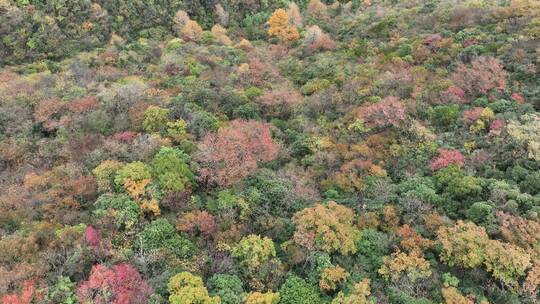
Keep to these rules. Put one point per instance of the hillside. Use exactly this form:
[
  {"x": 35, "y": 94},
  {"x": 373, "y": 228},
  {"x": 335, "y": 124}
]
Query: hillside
[{"x": 267, "y": 151}]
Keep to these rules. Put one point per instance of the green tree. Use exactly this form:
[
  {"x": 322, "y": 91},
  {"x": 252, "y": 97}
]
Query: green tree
[
  {"x": 161, "y": 235},
  {"x": 228, "y": 288},
  {"x": 297, "y": 291},
  {"x": 120, "y": 206},
  {"x": 372, "y": 246},
  {"x": 454, "y": 182},
  {"x": 171, "y": 168}
]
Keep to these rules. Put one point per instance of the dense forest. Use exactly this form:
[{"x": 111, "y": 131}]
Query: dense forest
[{"x": 269, "y": 151}]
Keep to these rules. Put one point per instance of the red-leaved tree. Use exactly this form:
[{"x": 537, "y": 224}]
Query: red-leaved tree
[
  {"x": 232, "y": 153},
  {"x": 121, "y": 284},
  {"x": 390, "y": 111},
  {"x": 483, "y": 75},
  {"x": 197, "y": 222},
  {"x": 25, "y": 296},
  {"x": 445, "y": 158},
  {"x": 92, "y": 236}
]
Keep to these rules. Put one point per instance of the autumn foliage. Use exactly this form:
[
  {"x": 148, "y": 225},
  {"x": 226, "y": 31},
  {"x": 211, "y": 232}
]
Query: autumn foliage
[
  {"x": 120, "y": 284},
  {"x": 233, "y": 152},
  {"x": 269, "y": 152},
  {"x": 390, "y": 111},
  {"x": 483, "y": 75},
  {"x": 327, "y": 227},
  {"x": 281, "y": 28},
  {"x": 445, "y": 158}
]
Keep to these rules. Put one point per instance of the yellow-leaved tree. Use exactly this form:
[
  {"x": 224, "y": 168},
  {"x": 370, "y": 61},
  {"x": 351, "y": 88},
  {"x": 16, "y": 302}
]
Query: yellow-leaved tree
[{"x": 281, "y": 28}]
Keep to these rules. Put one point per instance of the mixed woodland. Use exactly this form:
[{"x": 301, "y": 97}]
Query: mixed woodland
[{"x": 269, "y": 151}]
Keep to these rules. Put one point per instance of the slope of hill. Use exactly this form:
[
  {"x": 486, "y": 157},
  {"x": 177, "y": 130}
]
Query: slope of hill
[{"x": 268, "y": 152}]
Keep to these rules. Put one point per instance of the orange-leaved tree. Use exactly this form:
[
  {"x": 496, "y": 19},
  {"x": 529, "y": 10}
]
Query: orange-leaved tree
[{"x": 281, "y": 28}]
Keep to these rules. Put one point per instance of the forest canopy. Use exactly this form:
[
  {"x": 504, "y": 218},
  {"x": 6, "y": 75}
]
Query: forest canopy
[{"x": 269, "y": 152}]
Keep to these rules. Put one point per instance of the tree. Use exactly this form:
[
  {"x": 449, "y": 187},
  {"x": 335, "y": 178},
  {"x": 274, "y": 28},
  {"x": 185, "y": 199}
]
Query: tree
[
  {"x": 227, "y": 287},
  {"x": 135, "y": 172},
  {"x": 279, "y": 101},
  {"x": 532, "y": 281},
  {"x": 295, "y": 17},
  {"x": 121, "y": 284},
  {"x": 135, "y": 179},
  {"x": 445, "y": 158},
  {"x": 155, "y": 119},
  {"x": 483, "y": 75},
  {"x": 411, "y": 241},
  {"x": 161, "y": 235},
  {"x": 525, "y": 132},
  {"x": 92, "y": 236},
  {"x": 412, "y": 265},
  {"x": 186, "y": 288},
  {"x": 453, "y": 181},
  {"x": 506, "y": 262},
  {"x": 316, "y": 40},
  {"x": 197, "y": 222},
  {"x": 358, "y": 294},
  {"x": 372, "y": 247},
  {"x": 232, "y": 154},
  {"x": 281, "y": 28},
  {"x": 317, "y": 9},
  {"x": 519, "y": 231},
  {"x": 171, "y": 168},
  {"x": 220, "y": 33},
  {"x": 332, "y": 277},
  {"x": 253, "y": 251},
  {"x": 27, "y": 295},
  {"x": 64, "y": 291},
  {"x": 390, "y": 111},
  {"x": 481, "y": 213},
  {"x": 297, "y": 291},
  {"x": 464, "y": 244},
  {"x": 191, "y": 31},
  {"x": 452, "y": 296},
  {"x": 120, "y": 206},
  {"x": 262, "y": 298},
  {"x": 327, "y": 227},
  {"x": 104, "y": 174}
]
